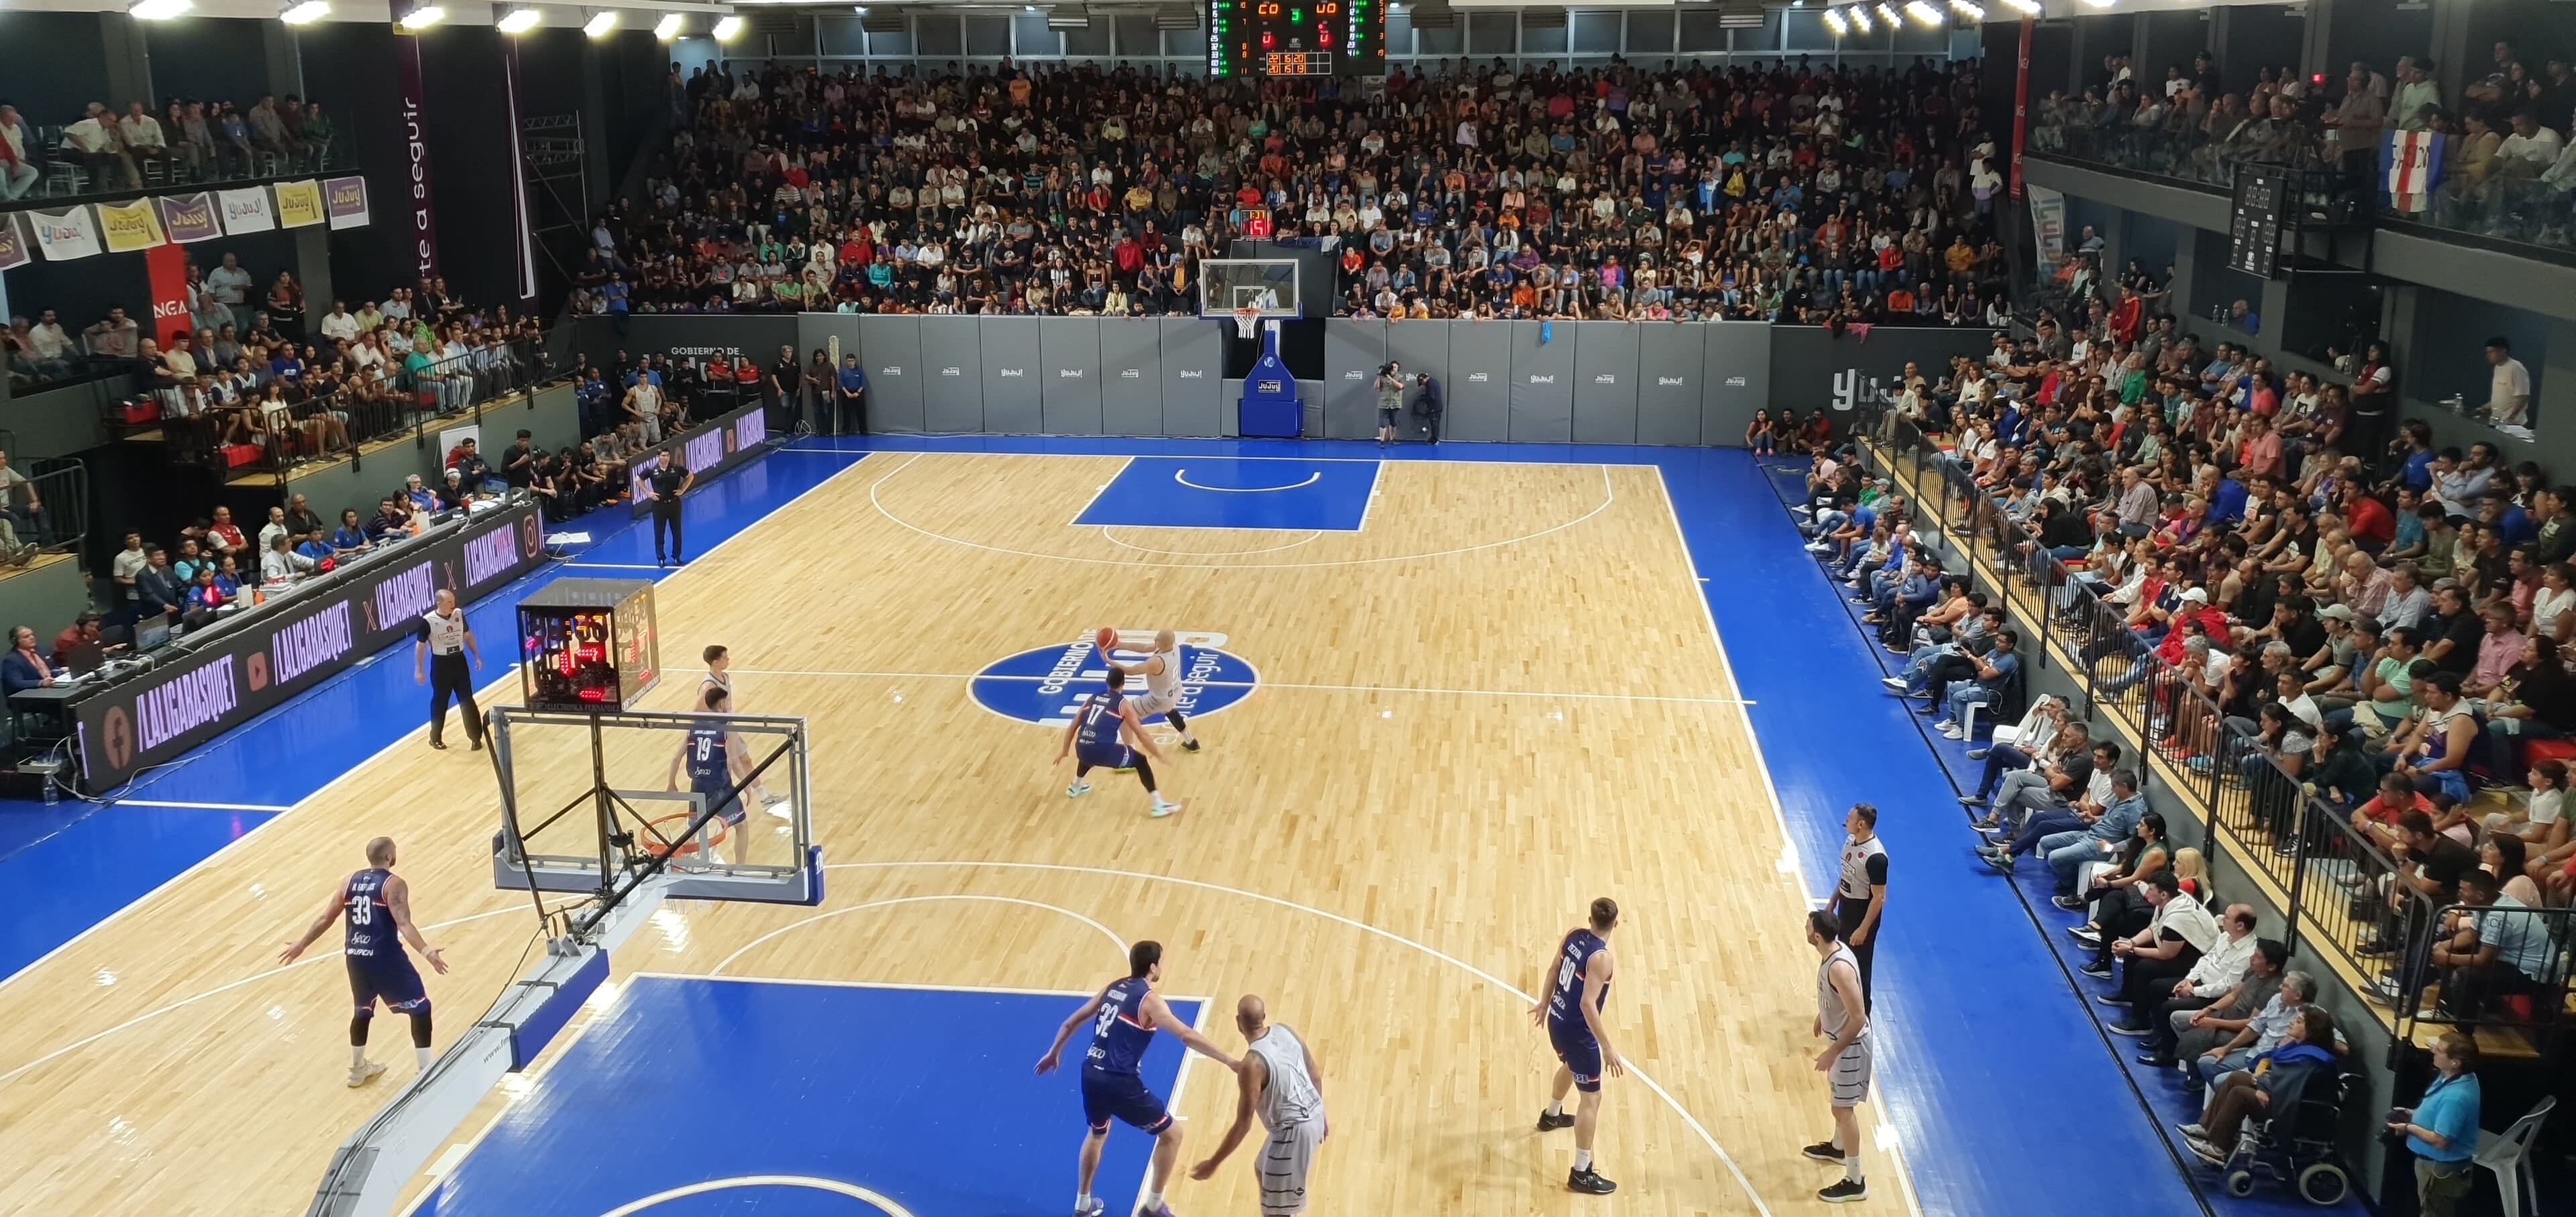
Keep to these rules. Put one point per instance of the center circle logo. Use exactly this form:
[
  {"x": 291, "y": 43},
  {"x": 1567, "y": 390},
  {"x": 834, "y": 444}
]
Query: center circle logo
[{"x": 1045, "y": 686}]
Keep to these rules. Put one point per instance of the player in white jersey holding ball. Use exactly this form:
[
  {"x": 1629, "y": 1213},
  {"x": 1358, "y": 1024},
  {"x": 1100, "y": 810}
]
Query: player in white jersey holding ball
[
  {"x": 1162, "y": 673},
  {"x": 1279, "y": 1080}
]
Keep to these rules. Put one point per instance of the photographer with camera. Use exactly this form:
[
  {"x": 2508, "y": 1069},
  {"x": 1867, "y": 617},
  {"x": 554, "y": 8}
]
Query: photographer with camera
[{"x": 1390, "y": 400}]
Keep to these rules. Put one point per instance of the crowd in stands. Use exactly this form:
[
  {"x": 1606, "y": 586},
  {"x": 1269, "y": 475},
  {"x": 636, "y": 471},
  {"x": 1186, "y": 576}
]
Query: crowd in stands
[
  {"x": 2509, "y": 165},
  {"x": 185, "y": 141},
  {"x": 2300, "y": 599},
  {"x": 1795, "y": 192},
  {"x": 267, "y": 368}
]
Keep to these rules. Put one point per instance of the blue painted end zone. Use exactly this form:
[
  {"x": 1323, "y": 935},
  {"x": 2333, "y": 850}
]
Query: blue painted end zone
[
  {"x": 68, "y": 867},
  {"x": 1228, "y": 492},
  {"x": 1980, "y": 1039},
  {"x": 924, "y": 1096}
]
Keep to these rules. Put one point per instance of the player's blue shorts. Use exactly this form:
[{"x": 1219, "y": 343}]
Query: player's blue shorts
[
  {"x": 392, "y": 981},
  {"x": 722, "y": 799},
  {"x": 1112, "y": 756},
  {"x": 1121, "y": 1096},
  {"x": 1580, "y": 1052}
]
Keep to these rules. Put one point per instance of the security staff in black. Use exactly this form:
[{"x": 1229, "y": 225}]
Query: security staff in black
[
  {"x": 446, "y": 657},
  {"x": 663, "y": 488}
]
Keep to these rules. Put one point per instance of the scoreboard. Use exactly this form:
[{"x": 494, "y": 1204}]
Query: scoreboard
[{"x": 1296, "y": 38}]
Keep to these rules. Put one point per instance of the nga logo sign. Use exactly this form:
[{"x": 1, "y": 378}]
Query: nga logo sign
[{"x": 1047, "y": 685}]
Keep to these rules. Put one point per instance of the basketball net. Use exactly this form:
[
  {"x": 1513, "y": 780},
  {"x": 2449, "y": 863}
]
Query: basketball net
[{"x": 1247, "y": 323}]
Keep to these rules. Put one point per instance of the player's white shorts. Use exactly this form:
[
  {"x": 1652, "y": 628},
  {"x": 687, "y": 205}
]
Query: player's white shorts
[
  {"x": 1851, "y": 1074},
  {"x": 1150, "y": 705},
  {"x": 1285, "y": 1159}
]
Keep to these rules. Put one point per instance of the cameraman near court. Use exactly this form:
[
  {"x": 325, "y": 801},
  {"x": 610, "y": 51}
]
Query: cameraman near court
[
  {"x": 1390, "y": 400},
  {"x": 1427, "y": 405}
]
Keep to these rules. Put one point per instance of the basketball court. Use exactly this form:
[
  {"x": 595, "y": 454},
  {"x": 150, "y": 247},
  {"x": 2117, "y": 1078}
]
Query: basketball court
[{"x": 1446, "y": 703}]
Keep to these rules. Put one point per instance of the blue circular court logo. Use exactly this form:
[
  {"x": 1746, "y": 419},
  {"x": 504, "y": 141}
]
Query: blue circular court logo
[{"x": 1047, "y": 685}]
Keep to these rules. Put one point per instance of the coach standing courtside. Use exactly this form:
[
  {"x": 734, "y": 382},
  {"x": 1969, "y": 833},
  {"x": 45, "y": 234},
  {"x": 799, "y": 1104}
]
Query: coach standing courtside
[
  {"x": 663, "y": 488},
  {"x": 1861, "y": 893},
  {"x": 451, "y": 654}
]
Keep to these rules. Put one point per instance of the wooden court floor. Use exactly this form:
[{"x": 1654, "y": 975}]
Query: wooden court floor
[{"x": 1502, "y": 698}]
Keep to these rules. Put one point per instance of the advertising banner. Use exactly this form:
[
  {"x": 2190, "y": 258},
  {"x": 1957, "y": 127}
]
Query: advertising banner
[
  {"x": 708, "y": 449},
  {"x": 64, "y": 235},
  {"x": 415, "y": 136},
  {"x": 191, "y": 698},
  {"x": 165, "y": 272},
  {"x": 127, "y": 227},
  {"x": 15, "y": 247},
  {"x": 247, "y": 210},
  {"x": 2048, "y": 224},
  {"x": 299, "y": 204},
  {"x": 190, "y": 217},
  {"x": 347, "y": 199}
]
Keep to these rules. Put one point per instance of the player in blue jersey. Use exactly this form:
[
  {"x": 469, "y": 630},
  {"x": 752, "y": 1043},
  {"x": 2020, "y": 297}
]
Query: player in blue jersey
[
  {"x": 1123, "y": 1019},
  {"x": 717, "y": 763},
  {"x": 375, "y": 906},
  {"x": 1106, "y": 734},
  {"x": 1576, "y": 980}
]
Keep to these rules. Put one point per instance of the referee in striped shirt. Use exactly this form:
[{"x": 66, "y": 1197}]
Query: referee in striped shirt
[
  {"x": 449, "y": 653},
  {"x": 1860, "y": 893}
]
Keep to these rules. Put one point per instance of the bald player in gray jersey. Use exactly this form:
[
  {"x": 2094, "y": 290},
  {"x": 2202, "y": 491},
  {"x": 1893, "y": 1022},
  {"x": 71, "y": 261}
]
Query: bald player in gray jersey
[
  {"x": 1162, "y": 673},
  {"x": 1278, "y": 1080}
]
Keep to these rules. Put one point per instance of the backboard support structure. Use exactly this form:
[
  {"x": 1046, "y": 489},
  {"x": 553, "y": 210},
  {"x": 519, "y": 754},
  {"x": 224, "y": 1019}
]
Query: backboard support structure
[
  {"x": 597, "y": 804},
  {"x": 1269, "y": 285}
]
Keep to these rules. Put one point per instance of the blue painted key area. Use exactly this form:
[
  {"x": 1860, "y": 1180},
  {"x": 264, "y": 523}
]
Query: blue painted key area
[
  {"x": 1991, "y": 1067},
  {"x": 1221, "y": 492},
  {"x": 924, "y": 1097}
]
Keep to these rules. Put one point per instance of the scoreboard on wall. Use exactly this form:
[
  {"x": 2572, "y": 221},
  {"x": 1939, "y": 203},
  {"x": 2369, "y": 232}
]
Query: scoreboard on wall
[{"x": 1296, "y": 38}]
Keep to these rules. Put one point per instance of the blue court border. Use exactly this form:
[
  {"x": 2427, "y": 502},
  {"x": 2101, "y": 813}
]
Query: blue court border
[{"x": 1961, "y": 1089}]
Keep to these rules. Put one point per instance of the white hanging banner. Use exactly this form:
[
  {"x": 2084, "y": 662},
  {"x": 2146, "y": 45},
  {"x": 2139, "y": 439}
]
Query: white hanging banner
[
  {"x": 64, "y": 235},
  {"x": 247, "y": 210}
]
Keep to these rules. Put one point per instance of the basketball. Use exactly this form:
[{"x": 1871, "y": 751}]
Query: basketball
[{"x": 1106, "y": 640}]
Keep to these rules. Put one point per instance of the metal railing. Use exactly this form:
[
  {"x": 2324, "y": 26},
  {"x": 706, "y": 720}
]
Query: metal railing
[
  {"x": 51, "y": 509},
  {"x": 2338, "y": 893},
  {"x": 64, "y": 175},
  {"x": 2522, "y": 988}
]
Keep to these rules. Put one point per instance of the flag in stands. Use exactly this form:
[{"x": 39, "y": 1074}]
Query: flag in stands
[{"x": 2410, "y": 166}]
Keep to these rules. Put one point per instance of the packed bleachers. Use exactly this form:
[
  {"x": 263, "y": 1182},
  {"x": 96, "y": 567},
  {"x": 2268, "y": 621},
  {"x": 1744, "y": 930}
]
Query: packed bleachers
[{"x": 1790, "y": 193}]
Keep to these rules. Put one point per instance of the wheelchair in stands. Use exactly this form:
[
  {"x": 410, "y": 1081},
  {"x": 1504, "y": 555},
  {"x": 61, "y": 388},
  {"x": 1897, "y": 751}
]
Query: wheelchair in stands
[{"x": 2296, "y": 1147}]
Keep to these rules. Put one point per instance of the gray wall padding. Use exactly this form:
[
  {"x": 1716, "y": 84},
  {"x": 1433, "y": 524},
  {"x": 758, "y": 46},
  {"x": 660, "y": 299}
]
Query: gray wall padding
[
  {"x": 1605, "y": 382},
  {"x": 1542, "y": 386},
  {"x": 1012, "y": 366},
  {"x": 1480, "y": 389},
  {"x": 952, "y": 374},
  {"x": 1069, "y": 375},
  {"x": 1670, "y": 379},
  {"x": 1131, "y": 376},
  {"x": 1194, "y": 398},
  {"x": 1353, "y": 352}
]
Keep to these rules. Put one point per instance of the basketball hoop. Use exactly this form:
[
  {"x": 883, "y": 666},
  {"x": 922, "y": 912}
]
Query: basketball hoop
[
  {"x": 654, "y": 843},
  {"x": 1247, "y": 323}
]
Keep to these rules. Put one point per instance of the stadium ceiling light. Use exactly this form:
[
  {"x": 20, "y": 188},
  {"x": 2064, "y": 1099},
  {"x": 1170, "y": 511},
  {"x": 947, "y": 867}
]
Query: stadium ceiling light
[
  {"x": 1968, "y": 9},
  {"x": 2025, "y": 7},
  {"x": 305, "y": 13},
  {"x": 1860, "y": 17},
  {"x": 1923, "y": 14},
  {"x": 600, "y": 22},
  {"x": 1887, "y": 13},
  {"x": 669, "y": 26},
  {"x": 519, "y": 21},
  {"x": 728, "y": 27},
  {"x": 423, "y": 17},
  {"x": 158, "y": 10},
  {"x": 1834, "y": 21}
]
